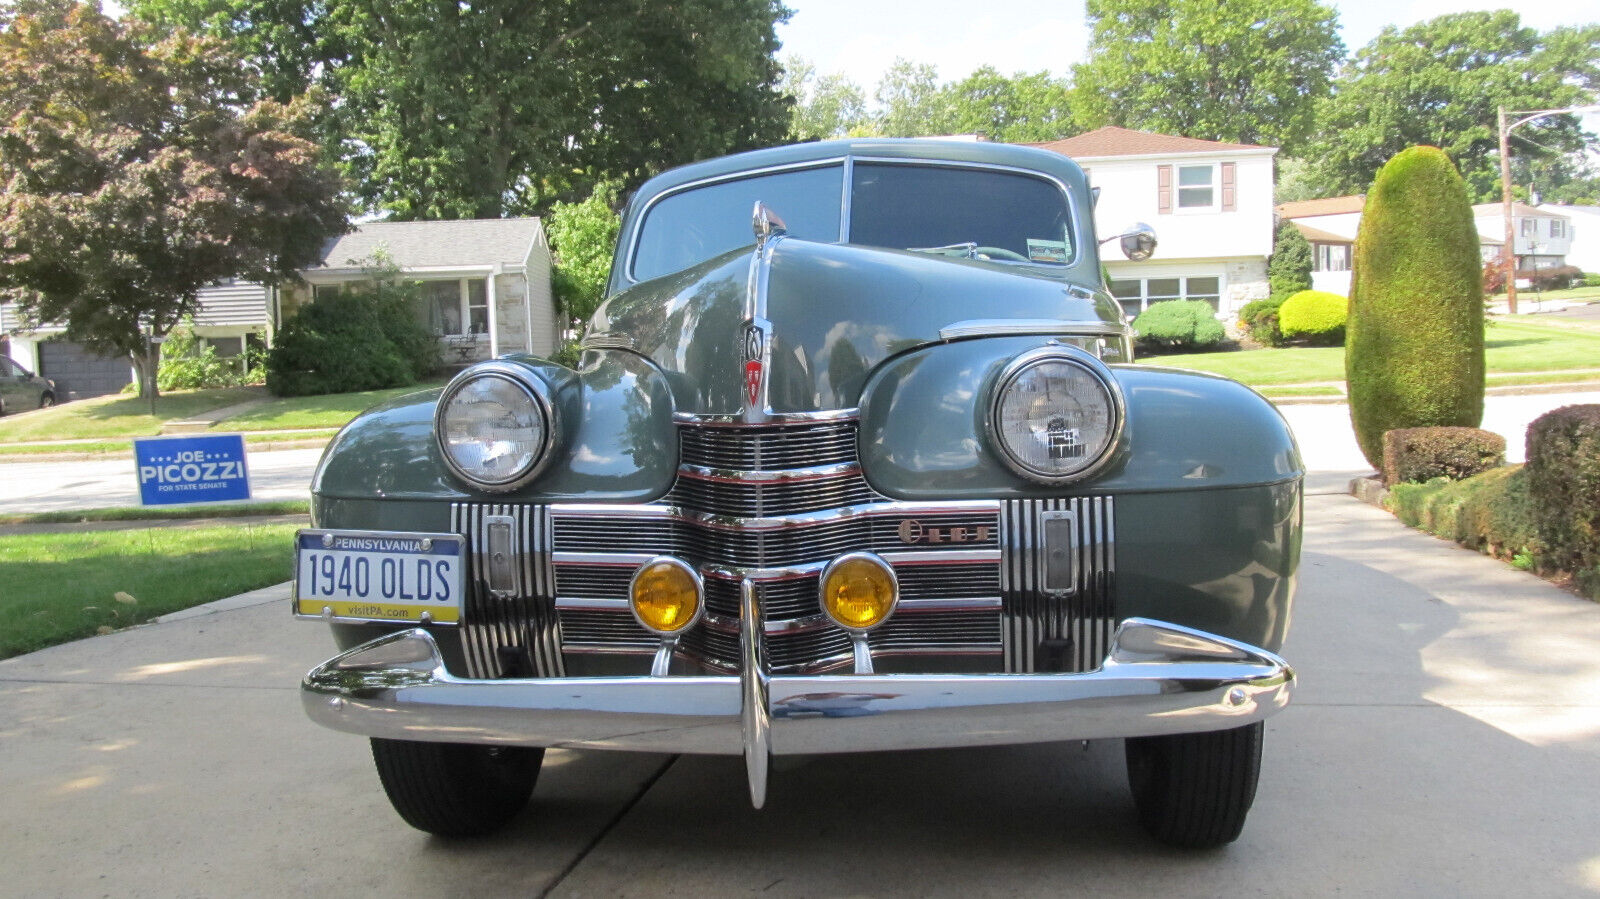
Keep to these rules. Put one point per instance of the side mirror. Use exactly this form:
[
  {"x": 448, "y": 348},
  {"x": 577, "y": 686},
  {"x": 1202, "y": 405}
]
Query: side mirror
[{"x": 1139, "y": 242}]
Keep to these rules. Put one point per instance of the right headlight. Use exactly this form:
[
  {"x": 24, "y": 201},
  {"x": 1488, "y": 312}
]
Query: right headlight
[
  {"x": 1056, "y": 416},
  {"x": 493, "y": 425}
]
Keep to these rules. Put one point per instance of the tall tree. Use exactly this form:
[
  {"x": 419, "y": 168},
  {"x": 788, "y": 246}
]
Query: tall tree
[
  {"x": 1020, "y": 109},
  {"x": 824, "y": 107},
  {"x": 910, "y": 102},
  {"x": 135, "y": 173},
  {"x": 1439, "y": 83},
  {"x": 1246, "y": 71},
  {"x": 451, "y": 110}
]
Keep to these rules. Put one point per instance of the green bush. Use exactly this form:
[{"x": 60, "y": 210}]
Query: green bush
[
  {"x": 1259, "y": 320},
  {"x": 1564, "y": 482},
  {"x": 582, "y": 236},
  {"x": 188, "y": 364},
  {"x": 1315, "y": 315},
  {"x": 364, "y": 338},
  {"x": 1491, "y": 512},
  {"x": 1422, "y": 454},
  {"x": 1591, "y": 279},
  {"x": 1414, "y": 339},
  {"x": 1184, "y": 324},
  {"x": 1289, "y": 269}
]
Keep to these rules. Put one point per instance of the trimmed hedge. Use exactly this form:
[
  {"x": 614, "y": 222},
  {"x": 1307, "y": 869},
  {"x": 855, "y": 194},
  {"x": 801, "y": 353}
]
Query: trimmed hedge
[
  {"x": 1316, "y": 315},
  {"x": 1491, "y": 512},
  {"x": 1289, "y": 268},
  {"x": 352, "y": 340},
  {"x": 1564, "y": 484},
  {"x": 1414, "y": 342},
  {"x": 1422, "y": 454},
  {"x": 1179, "y": 324},
  {"x": 1259, "y": 319}
]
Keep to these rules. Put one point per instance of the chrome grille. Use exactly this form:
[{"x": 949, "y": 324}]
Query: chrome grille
[
  {"x": 1084, "y": 616},
  {"x": 969, "y": 572}
]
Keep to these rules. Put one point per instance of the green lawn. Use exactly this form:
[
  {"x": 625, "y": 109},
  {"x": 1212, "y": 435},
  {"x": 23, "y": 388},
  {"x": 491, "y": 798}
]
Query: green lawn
[
  {"x": 1510, "y": 346},
  {"x": 61, "y": 587},
  {"x": 1571, "y": 293},
  {"x": 328, "y": 411},
  {"x": 117, "y": 415}
]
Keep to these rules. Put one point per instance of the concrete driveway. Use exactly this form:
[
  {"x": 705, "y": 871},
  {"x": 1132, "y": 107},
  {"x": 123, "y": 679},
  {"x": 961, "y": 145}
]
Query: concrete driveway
[{"x": 1444, "y": 743}]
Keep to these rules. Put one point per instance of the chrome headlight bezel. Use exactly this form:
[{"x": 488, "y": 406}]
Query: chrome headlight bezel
[
  {"x": 538, "y": 397},
  {"x": 1100, "y": 374}
]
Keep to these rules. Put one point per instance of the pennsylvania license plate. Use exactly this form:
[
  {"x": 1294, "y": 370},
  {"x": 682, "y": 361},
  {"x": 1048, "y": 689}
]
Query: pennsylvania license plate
[{"x": 377, "y": 576}]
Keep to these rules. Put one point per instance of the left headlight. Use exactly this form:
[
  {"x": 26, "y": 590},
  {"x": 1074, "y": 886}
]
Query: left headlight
[
  {"x": 1056, "y": 416},
  {"x": 494, "y": 427}
]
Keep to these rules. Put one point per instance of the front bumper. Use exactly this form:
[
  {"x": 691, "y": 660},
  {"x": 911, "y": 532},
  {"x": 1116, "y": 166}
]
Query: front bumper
[{"x": 1159, "y": 678}]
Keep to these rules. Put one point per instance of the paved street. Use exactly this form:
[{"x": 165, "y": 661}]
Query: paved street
[
  {"x": 1443, "y": 743},
  {"x": 1323, "y": 430}
]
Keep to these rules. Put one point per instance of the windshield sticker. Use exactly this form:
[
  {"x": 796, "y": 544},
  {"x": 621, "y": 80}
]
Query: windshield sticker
[{"x": 1047, "y": 251}]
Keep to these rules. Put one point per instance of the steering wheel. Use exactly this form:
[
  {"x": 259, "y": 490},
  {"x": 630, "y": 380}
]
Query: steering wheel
[{"x": 998, "y": 253}]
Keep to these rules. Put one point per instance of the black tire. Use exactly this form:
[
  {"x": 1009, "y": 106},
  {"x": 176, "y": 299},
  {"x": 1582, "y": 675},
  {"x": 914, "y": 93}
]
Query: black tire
[
  {"x": 46, "y": 400},
  {"x": 454, "y": 789},
  {"x": 1194, "y": 790}
]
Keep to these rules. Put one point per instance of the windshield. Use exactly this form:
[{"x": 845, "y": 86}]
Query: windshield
[
  {"x": 692, "y": 226},
  {"x": 948, "y": 210},
  {"x": 960, "y": 212}
]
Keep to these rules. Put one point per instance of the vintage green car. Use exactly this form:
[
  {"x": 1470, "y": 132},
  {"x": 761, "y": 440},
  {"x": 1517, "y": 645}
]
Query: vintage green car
[{"x": 880, "y": 476}]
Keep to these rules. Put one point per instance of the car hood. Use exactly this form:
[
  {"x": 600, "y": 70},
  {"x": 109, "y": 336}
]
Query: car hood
[{"x": 835, "y": 313}]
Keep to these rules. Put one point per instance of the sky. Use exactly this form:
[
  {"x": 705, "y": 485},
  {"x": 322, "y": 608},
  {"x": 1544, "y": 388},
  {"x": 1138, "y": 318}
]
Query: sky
[{"x": 861, "y": 38}]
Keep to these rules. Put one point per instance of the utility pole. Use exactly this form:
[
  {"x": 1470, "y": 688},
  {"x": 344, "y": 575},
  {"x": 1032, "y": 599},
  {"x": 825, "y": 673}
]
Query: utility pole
[{"x": 1510, "y": 253}]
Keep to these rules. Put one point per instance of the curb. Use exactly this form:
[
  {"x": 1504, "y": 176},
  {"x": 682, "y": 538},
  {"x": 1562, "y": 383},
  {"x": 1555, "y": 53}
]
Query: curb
[
  {"x": 261, "y": 597},
  {"x": 1369, "y": 490}
]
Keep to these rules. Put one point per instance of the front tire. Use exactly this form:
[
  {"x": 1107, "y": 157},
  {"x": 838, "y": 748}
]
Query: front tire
[
  {"x": 456, "y": 789},
  {"x": 46, "y": 400},
  {"x": 1194, "y": 790}
]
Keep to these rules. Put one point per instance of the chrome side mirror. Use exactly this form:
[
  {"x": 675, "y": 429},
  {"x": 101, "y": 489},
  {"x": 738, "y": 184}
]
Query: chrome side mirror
[{"x": 1139, "y": 242}]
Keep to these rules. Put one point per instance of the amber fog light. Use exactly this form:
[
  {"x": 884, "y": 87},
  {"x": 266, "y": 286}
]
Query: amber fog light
[
  {"x": 859, "y": 591},
  {"x": 666, "y": 595}
]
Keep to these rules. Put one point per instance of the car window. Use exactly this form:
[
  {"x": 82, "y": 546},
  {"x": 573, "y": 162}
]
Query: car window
[
  {"x": 927, "y": 207},
  {"x": 8, "y": 369},
  {"x": 694, "y": 225}
]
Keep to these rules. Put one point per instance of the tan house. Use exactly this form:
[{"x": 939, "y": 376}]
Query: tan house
[{"x": 485, "y": 282}]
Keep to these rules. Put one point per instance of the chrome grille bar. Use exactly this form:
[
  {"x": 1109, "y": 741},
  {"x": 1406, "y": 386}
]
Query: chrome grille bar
[{"x": 511, "y": 630}]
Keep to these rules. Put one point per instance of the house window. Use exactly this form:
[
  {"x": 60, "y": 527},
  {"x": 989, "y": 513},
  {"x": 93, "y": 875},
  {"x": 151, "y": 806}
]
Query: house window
[
  {"x": 1331, "y": 257},
  {"x": 1557, "y": 228},
  {"x": 1136, "y": 294},
  {"x": 1197, "y": 187},
  {"x": 456, "y": 307},
  {"x": 1530, "y": 227}
]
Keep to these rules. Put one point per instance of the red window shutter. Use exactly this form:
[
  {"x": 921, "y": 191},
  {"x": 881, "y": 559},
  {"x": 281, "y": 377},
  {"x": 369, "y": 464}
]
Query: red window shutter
[
  {"x": 1163, "y": 189},
  {"x": 1227, "y": 186}
]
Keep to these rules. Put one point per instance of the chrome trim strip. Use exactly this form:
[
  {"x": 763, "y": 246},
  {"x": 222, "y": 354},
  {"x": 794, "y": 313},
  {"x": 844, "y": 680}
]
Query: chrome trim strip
[
  {"x": 1158, "y": 679},
  {"x": 942, "y": 557},
  {"x": 615, "y": 559},
  {"x": 773, "y": 476},
  {"x": 995, "y": 327},
  {"x": 777, "y": 522},
  {"x": 774, "y": 419},
  {"x": 966, "y": 604},
  {"x": 607, "y": 342},
  {"x": 591, "y": 604}
]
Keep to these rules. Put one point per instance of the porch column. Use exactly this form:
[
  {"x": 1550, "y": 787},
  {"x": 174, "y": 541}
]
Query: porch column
[{"x": 494, "y": 315}]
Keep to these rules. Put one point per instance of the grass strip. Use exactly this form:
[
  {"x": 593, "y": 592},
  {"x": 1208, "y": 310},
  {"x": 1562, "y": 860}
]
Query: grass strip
[
  {"x": 164, "y": 513},
  {"x": 325, "y": 411},
  {"x": 118, "y": 415},
  {"x": 112, "y": 447},
  {"x": 1307, "y": 390},
  {"x": 61, "y": 587}
]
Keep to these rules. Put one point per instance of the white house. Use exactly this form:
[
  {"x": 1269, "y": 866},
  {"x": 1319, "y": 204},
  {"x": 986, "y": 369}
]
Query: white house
[
  {"x": 1583, "y": 247},
  {"x": 1209, "y": 202},
  {"x": 1543, "y": 233},
  {"x": 1329, "y": 225},
  {"x": 486, "y": 282}
]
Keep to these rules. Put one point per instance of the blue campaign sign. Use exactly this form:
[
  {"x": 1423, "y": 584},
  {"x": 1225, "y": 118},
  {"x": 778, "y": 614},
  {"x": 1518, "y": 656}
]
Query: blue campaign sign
[{"x": 191, "y": 469}]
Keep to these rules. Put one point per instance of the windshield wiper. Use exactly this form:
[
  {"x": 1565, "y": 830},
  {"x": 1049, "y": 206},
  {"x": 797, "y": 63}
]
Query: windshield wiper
[{"x": 963, "y": 250}]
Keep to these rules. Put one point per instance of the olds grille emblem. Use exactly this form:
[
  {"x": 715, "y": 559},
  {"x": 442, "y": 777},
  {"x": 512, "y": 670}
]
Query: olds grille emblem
[
  {"x": 913, "y": 531},
  {"x": 755, "y": 340}
]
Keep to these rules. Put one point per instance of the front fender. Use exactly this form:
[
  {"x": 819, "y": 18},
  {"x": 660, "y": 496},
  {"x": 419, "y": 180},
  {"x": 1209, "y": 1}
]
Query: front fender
[
  {"x": 616, "y": 443},
  {"x": 923, "y": 433}
]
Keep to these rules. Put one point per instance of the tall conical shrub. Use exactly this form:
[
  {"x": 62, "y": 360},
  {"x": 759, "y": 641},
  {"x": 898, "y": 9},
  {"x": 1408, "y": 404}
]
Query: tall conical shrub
[{"x": 1414, "y": 339}]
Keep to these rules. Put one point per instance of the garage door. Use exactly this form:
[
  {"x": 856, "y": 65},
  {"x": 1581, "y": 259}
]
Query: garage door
[{"x": 79, "y": 373}]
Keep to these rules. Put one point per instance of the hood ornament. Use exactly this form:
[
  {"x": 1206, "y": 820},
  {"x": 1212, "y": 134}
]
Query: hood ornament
[{"x": 766, "y": 223}]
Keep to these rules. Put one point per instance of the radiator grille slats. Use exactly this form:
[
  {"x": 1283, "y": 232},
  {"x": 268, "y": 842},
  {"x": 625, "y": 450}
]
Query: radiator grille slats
[{"x": 776, "y": 503}]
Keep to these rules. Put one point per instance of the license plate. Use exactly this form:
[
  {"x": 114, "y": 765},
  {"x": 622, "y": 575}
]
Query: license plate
[{"x": 377, "y": 576}]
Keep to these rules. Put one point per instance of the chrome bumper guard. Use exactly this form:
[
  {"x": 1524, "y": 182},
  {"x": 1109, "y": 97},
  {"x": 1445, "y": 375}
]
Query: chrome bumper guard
[{"x": 1159, "y": 678}]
